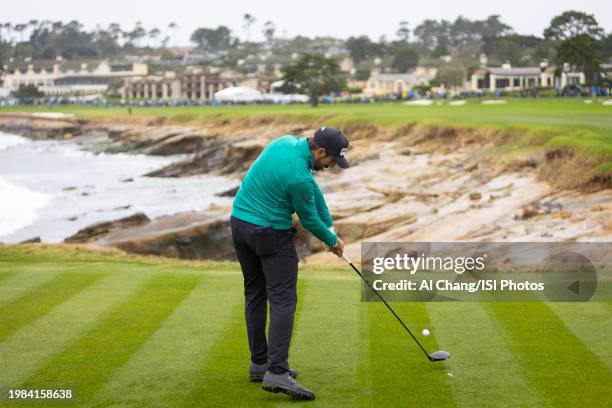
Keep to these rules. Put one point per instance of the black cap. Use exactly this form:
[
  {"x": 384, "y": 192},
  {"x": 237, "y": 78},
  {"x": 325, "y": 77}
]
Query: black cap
[{"x": 334, "y": 143}]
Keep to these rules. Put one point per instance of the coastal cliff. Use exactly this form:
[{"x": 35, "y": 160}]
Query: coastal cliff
[{"x": 407, "y": 183}]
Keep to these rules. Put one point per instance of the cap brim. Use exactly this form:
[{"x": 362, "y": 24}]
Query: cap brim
[{"x": 341, "y": 162}]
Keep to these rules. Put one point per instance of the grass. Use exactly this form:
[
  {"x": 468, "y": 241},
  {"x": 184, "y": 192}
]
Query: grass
[
  {"x": 546, "y": 112},
  {"x": 127, "y": 331},
  {"x": 550, "y": 122}
]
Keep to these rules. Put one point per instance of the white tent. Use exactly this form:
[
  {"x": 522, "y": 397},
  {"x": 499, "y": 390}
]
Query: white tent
[
  {"x": 275, "y": 87},
  {"x": 239, "y": 94},
  {"x": 285, "y": 99},
  {"x": 276, "y": 96}
]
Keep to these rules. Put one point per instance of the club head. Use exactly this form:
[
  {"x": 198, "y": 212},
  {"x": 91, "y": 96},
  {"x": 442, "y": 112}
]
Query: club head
[{"x": 439, "y": 356}]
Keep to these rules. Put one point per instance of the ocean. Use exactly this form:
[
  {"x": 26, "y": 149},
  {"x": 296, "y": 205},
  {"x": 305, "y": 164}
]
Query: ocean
[{"x": 51, "y": 189}]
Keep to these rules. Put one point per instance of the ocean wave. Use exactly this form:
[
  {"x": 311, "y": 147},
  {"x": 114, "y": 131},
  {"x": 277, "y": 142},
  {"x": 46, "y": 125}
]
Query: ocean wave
[
  {"x": 7, "y": 141},
  {"x": 19, "y": 206}
]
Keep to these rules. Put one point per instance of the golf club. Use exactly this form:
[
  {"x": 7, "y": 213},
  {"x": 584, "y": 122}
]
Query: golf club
[{"x": 436, "y": 355}]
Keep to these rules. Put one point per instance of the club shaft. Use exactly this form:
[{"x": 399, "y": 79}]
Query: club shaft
[{"x": 390, "y": 308}]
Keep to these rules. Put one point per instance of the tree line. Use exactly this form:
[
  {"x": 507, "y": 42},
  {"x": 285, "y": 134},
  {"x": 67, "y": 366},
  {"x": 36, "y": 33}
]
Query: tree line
[
  {"x": 573, "y": 37},
  {"x": 50, "y": 39}
]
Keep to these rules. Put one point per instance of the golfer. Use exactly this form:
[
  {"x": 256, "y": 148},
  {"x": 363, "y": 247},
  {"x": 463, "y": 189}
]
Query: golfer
[{"x": 279, "y": 183}]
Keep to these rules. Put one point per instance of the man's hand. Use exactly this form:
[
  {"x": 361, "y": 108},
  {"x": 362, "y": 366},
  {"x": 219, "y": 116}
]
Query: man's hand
[{"x": 337, "y": 249}]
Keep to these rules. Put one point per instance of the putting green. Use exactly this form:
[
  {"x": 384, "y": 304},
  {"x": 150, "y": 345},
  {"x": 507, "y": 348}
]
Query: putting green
[{"x": 138, "y": 332}]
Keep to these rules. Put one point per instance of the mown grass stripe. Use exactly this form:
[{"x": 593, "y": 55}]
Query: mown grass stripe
[
  {"x": 87, "y": 364},
  {"x": 168, "y": 363},
  {"x": 607, "y": 305},
  {"x": 19, "y": 282},
  {"x": 478, "y": 349},
  {"x": 38, "y": 301},
  {"x": 223, "y": 374},
  {"x": 399, "y": 373},
  {"x": 364, "y": 355},
  {"x": 557, "y": 364},
  {"x": 326, "y": 342},
  {"x": 5, "y": 275},
  {"x": 591, "y": 322},
  {"x": 50, "y": 334}
]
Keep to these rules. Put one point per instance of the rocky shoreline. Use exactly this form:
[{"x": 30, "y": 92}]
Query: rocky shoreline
[{"x": 411, "y": 183}]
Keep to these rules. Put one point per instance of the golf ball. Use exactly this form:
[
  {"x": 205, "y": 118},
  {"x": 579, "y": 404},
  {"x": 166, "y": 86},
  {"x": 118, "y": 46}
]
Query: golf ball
[{"x": 425, "y": 332}]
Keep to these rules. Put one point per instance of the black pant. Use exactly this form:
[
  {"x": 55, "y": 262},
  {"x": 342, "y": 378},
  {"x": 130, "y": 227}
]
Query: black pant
[{"x": 269, "y": 264}]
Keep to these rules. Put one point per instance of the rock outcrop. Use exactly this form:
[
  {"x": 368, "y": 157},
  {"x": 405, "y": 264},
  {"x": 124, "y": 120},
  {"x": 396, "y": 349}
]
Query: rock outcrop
[
  {"x": 219, "y": 157},
  {"x": 101, "y": 229},
  {"x": 188, "y": 235},
  {"x": 40, "y": 126}
]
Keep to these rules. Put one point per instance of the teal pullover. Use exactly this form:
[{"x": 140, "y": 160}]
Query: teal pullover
[{"x": 280, "y": 183}]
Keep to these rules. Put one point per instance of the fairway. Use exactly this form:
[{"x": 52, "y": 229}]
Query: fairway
[
  {"x": 546, "y": 113},
  {"x": 138, "y": 332}
]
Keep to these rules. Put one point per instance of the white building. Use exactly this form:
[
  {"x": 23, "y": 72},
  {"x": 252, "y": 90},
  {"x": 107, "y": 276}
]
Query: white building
[
  {"x": 166, "y": 87},
  {"x": 195, "y": 83},
  {"x": 59, "y": 76},
  {"x": 508, "y": 78},
  {"x": 392, "y": 84}
]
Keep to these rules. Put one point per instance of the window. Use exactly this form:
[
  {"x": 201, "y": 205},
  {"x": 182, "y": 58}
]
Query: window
[
  {"x": 121, "y": 67},
  {"x": 502, "y": 83}
]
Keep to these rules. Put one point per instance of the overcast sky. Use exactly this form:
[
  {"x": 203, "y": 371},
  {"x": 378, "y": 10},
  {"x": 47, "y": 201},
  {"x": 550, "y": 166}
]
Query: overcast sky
[{"x": 310, "y": 17}]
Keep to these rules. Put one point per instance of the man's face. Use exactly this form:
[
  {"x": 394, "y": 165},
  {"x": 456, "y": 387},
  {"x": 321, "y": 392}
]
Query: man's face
[{"x": 322, "y": 160}]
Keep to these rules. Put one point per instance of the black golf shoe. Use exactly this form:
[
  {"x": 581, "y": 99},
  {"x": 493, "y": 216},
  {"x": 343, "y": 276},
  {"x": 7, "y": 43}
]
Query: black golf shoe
[
  {"x": 286, "y": 384},
  {"x": 257, "y": 371}
]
